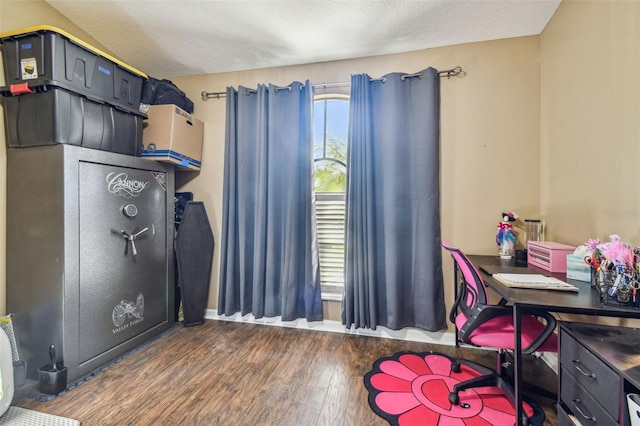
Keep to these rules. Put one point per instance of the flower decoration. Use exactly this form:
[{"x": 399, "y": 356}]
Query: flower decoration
[
  {"x": 616, "y": 251},
  {"x": 413, "y": 389},
  {"x": 593, "y": 244}
]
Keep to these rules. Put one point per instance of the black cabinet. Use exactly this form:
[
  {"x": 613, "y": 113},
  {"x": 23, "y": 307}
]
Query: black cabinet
[
  {"x": 599, "y": 366},
  {"x": 90, "y": 265}
]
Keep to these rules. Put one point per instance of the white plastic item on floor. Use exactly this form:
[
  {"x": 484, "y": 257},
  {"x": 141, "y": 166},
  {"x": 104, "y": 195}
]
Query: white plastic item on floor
[
  {"x": 17, "y": 416},
  {"x": 6, "y": 373},
  {"x": 633, "y": 401}
]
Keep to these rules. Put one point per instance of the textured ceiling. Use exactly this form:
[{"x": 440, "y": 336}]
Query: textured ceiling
[{"x": 166, "y": 38}]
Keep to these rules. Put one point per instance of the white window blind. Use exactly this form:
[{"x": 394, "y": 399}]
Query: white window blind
[{"x": 330, "y": 216}]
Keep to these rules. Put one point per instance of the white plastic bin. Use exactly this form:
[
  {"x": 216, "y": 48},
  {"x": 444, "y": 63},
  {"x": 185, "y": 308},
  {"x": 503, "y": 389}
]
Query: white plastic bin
[{"x": 633, "y": 401}]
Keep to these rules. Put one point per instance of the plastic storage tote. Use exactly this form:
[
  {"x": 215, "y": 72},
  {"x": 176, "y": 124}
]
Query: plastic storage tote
[
  {"x": 47, "y": 56},
  {"x": 59, "y": 116}
]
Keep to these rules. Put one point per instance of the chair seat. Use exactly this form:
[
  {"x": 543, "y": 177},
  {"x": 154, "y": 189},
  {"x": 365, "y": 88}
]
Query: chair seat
[{"x": 498, "y": 333}]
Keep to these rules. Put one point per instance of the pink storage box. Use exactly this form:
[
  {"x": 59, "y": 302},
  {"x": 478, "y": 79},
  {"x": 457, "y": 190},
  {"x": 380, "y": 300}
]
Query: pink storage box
[{"x": 548, "y": 255}]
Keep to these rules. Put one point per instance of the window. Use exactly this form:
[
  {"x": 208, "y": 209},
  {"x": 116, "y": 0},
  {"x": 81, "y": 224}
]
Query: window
[{"x": 331, "y": 115}]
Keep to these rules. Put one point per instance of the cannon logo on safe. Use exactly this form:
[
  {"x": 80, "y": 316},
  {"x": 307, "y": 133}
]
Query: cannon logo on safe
[
  {"x": 120, "y": 184},
  {"x": 126, "y": 309}
]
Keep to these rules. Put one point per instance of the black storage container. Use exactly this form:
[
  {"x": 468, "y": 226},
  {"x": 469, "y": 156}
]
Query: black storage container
[
  {"x": 56, "y": 115},
  {"x": 48, "y": 56},
  {"x": 164, "y": 92}
]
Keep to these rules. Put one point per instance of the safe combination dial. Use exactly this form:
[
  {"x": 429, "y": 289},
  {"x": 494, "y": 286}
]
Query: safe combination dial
[{"x": 130, "y": 210}]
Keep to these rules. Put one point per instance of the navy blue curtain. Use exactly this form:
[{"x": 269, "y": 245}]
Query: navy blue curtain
[
  {"x": 393, "y": 255},
  {"x": 269, "y": 261}
]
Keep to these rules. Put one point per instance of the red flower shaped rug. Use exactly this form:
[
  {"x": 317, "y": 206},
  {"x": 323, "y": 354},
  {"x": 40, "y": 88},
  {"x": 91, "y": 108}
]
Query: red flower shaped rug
[{"x": 409, "y": 389}]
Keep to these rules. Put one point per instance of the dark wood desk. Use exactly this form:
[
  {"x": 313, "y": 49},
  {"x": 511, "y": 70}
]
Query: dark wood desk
[{"x": 585, "y": 301}]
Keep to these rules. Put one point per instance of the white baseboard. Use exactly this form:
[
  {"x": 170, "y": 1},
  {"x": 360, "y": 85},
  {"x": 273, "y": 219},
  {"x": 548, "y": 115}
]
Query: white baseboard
[
  {"x": 410, "y": 334},
  {"x": 446, "y": 338}
]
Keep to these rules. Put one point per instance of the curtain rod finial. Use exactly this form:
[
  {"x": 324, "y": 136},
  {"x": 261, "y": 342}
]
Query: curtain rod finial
[
  {"x": 456, "y": 72},
  {"x": 453, "y": 72}
]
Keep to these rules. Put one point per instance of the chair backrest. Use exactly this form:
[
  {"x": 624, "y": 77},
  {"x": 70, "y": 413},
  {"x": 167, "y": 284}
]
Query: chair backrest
[{"x": 472, "y": 289}]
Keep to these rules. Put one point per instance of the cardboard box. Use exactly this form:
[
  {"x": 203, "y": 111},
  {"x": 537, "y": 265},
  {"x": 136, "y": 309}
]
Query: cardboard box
[{"x": 173, "y": 136}]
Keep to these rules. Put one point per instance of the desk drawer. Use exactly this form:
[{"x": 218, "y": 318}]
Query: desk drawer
[
  {"x": 548, "y": 255},
  {"x": 583, "y": 406},
  {"x": 602, "y": 382}
]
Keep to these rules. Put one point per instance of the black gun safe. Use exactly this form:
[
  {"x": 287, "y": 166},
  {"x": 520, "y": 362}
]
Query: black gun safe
[{"x": 90, "y": 265}]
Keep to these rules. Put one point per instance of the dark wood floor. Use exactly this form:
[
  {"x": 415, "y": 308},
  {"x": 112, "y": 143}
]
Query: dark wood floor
[{"x": 225, "y": 373}]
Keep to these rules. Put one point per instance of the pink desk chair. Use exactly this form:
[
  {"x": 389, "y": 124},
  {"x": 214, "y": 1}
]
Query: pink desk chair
[{"x": 484, "y": 325}]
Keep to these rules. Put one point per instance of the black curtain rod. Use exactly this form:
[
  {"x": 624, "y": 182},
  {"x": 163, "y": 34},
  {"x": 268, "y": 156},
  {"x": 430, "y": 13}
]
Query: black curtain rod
[{"x": 453, "y": 72}]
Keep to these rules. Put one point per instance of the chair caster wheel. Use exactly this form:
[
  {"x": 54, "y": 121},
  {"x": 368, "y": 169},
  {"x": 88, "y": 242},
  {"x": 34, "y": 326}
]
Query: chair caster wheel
[
  {"x": 454, "y": 398},
  {"x": 455, "y": 367}
]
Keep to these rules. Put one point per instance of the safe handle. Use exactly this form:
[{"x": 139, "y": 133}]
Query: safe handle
[{"x": 132, "y": 237}]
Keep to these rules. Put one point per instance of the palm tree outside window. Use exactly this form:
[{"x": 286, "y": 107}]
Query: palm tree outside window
[{"x": 331, "y": 116}]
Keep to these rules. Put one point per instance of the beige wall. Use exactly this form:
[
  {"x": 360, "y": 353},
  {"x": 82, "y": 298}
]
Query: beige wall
[
  {"x": 590, "y": 122},
  {"x": 490, "y": 130},
  {"x": 15, "y": 15},
  {"x": 489, "y": 136},
  {"x": 547, "y": 126}
]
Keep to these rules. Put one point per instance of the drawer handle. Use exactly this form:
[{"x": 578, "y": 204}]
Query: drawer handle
[
  {"x": 577, "y": 404},
  {"x": 577, "y": 363}
]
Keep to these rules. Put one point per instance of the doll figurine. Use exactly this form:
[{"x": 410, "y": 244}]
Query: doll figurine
[{"x": 505, "y": 238}]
